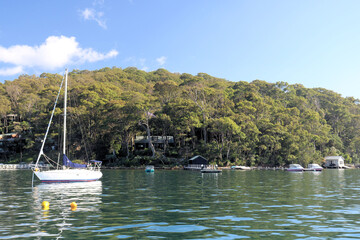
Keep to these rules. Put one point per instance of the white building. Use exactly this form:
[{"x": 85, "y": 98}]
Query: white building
[{"x": 334, "y": 162}]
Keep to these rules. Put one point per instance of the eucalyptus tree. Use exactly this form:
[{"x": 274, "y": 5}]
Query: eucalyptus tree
[
  {"x": 225, "y": 131},
  {"x": 185, "y": 119},
  {"x": 5, "y": 108}
]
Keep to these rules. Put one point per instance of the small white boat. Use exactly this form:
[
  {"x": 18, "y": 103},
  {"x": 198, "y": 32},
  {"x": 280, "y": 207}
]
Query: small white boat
[
  {"x": 240, "y": 168},
  {"x": 314, "y": 167},
  {"x": 149, "y": 168},
  {"x": 295, "y": 168},
  {"x": 210, "y": 169}
]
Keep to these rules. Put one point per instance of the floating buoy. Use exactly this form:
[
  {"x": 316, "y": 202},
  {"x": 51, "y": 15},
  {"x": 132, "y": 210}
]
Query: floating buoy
[
  {"x": 45, "y": 205},
  {"x": 73, "y": 206}
]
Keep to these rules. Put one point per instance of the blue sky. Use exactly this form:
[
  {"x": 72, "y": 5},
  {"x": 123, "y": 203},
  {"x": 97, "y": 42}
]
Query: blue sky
[{"x": 312, "y": 42}]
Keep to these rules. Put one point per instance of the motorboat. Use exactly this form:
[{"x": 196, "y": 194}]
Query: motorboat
[
  {"x": 149, "y": 168},
  {"x": 295, "y": 168},
  {"x": 314, "y": 167},
  {"x": 240, "y": 168}
]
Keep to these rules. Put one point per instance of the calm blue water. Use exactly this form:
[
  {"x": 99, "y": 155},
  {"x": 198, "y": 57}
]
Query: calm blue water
[{"x": 132, "y": 204}]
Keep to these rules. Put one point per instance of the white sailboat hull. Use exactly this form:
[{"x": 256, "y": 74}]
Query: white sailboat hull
[{"x": 68, "y": 175}]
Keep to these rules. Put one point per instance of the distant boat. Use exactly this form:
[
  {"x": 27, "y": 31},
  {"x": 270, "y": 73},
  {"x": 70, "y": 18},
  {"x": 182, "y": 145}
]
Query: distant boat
[
  {"x": 240, "y": 168},
  {"x": 210, "y": 169},
  {"x": 69, "y": 171},
  {"x": 149, "y": 168},
  {"x": 295, "y": 168},
  {"x": 313, "y": 167}
]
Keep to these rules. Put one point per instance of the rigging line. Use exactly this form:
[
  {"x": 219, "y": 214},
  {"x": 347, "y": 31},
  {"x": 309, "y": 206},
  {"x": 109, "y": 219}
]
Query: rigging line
[
  {"x": 48, "y": 127},
  {"x": 49, "y": 160},
  {"x": 59, "y": 140}
]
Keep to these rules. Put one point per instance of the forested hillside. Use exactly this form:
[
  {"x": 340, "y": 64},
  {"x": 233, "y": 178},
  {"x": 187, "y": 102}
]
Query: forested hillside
[{"x": 255, "y": 124}]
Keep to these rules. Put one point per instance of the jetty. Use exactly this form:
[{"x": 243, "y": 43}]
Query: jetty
[
  {"x": 21, "y": 166},
  {"x": 203, "y": 168}
]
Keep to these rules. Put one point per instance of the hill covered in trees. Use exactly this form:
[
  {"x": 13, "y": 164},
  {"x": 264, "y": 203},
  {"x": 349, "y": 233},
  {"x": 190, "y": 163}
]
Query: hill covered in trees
[{"x": 255, "y": 124}]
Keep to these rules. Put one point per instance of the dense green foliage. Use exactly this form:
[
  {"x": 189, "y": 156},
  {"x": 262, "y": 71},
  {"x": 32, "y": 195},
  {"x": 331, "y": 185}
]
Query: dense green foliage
[{"x": 257, "y": 123}]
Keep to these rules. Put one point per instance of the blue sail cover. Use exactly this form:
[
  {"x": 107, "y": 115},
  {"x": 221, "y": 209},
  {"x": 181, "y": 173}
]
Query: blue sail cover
[{"x": 68, "y": 163}]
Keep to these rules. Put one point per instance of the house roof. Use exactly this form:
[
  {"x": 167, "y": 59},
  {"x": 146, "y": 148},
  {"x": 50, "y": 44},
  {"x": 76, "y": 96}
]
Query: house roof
[
  {"x": 195, "y": 157},
  {"x": 334, "y": 158},
  {"x": 154, "y": 139},
  {"x": 198, "y": 160}
]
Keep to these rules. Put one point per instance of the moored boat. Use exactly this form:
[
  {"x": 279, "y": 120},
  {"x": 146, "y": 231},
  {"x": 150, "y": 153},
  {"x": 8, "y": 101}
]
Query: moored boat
[
  {"x": 149, "y": 168},
  {"x": 240, "y": 168},
  {"x": 295, "y": 168},
  {"x": 313, "y": 167},
  {"x": 69, "y": 171},
  {"x": 210, "y": 169}
]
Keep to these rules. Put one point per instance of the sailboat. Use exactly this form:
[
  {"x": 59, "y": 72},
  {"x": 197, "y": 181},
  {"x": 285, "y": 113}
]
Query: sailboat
[{"x": 69, "y": 171}]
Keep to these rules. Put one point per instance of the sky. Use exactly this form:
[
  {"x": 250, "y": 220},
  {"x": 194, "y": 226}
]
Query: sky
[{"x": 315, "y": 43}]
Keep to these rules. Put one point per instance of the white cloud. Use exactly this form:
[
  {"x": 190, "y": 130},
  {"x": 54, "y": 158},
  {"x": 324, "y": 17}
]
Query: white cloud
[
  {"x": 161, "y": 60},
  {"x": 11, "y": 71},
  {"x": 87, "y": 14},
  {"x": 54, "y": 53},
  {"x": 92, "y": 14}
]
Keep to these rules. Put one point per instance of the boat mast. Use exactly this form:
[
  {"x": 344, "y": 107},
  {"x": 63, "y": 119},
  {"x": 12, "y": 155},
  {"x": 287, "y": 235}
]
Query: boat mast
[
  {"x": 48, "y": 127},
  {"x": 65, "y": 105}
]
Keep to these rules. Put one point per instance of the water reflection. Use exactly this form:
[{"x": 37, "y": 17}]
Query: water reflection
[
  {"x": 185, "y": 205},
  {"x": 60, "y": 216}
]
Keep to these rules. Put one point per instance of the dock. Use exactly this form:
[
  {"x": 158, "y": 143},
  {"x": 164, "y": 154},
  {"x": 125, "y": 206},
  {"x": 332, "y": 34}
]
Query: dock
[
  {"x": 21, "y": 166},
  {"x": 206, "y": 170},
  {"x": 203, "y": 168}
]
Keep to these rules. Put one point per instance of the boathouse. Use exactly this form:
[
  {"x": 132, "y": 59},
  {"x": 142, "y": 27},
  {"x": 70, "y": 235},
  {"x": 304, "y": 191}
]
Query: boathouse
[
  {"x": 197, "y": 163},
  {"x": 334, "y": 162},
  {"x": 198, "y": 160}
]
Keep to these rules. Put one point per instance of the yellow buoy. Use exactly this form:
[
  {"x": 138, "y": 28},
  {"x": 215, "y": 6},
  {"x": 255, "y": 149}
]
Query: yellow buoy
[
  {"x": 45, "y": 205},
  {"x": 73, "y": 205}
]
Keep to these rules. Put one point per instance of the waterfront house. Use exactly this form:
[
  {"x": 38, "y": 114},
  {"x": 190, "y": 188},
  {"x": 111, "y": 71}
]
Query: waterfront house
[
  {"x": 334, "y": 162},
  {"x": 142, "y": 142},
  {"x": 197, "y": 163},
  {"x": 198, "y": 160}
]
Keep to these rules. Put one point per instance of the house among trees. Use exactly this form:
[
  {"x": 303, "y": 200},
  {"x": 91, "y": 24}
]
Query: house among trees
[
  {"x": 199, "y": 163},
  {"x": 11, "y": 142},
  {"x": 198, "y": 160},
  {"x": 159, "y": 142},
  {"x": 334, "y": 162},
  {"x": 12, "y": 117},
  {"x": 7, "y": 121}
]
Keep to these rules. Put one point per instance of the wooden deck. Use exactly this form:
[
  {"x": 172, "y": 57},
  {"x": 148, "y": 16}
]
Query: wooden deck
[{"x": 203, "y": 168}]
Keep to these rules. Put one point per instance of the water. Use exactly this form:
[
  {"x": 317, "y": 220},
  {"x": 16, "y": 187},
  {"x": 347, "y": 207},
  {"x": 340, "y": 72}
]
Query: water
[{"x": 132, "y": 204}]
